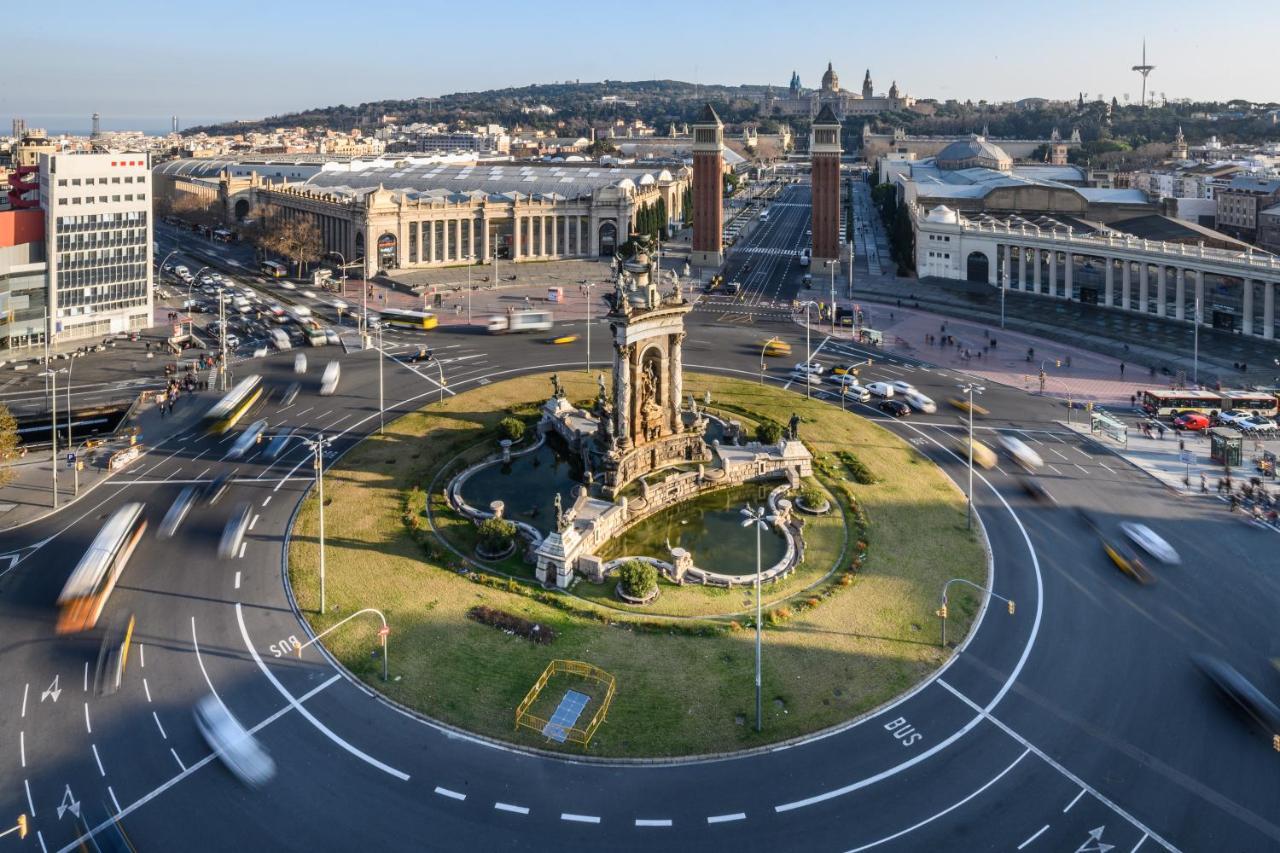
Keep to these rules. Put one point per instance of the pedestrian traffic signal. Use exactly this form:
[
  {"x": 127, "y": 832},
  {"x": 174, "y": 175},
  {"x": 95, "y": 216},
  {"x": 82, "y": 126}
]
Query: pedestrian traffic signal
[
  {"x": 1011, "y": 606},
  {"x": 942, "y": 611}
]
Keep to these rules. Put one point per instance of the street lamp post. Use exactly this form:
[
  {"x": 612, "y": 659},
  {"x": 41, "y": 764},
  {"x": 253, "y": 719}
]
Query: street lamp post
[
  {"x": 1195, "y": 358},
  {"x": 191, "y": 323},
  {"x": 381, "y": 357},
  {"x": 317, "y": 446},
  {"x": 53, "y": 428},
  {"x": 764, "y": 349},
  {"x": 808, "y": 353},
  {"x": 70, "y": 444},
  {"x": 383, "y": 632},
  {"x": 970, "y": 389},
  {"x": 757, "y": 518},
  {"x": 471, "y": 259},
  {"x": 832, "y": 266},
  {"x": 588, "y": 287},
  {"x": 942, "y": 611}
]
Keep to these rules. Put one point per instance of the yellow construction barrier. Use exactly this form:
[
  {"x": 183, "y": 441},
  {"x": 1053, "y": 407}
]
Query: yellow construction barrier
[{"x": 577, "y": 734}]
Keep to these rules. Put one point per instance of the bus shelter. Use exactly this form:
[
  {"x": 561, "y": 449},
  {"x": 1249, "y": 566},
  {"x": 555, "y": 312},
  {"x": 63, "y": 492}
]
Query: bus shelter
[
  {"x": 1103, "y": 423},
  {"x": 1225, "y": 446}
]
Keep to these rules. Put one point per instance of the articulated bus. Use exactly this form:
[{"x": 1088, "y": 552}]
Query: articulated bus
[
  {"x": 90, "y": 585},
  {"x": 421, "y": 320},
  {"x": 228, "y": 411},
  {"x": 1163, "y": 404},
  {"x": 272, "y": 269}
]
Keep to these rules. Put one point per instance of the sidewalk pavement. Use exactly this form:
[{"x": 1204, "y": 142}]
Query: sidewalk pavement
[
  {"x": 28, "y": 497},
  {"x": 1162, "y": 458},
  {"x": 1070, "y": 371}
]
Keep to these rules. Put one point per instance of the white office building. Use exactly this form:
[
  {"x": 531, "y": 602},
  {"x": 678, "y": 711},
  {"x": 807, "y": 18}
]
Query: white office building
[{"x": 98, "y": 239}]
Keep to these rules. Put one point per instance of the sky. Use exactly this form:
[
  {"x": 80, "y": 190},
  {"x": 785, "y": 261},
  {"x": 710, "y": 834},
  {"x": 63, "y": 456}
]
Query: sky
[{"x": 137, "y": 62}]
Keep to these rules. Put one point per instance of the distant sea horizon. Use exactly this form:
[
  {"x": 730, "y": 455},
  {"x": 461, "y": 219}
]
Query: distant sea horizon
[{"x": 81, "y": 125}]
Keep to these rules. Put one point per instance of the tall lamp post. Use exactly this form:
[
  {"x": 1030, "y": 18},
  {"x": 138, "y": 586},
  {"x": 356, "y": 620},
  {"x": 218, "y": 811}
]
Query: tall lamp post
[
  {"x": 970, "y": 389},
  {"x": 808, "y": 353},
  {"x": 52, "y": 375},
  {"x": 381, "y": 357},
  {"x": 1195, "y": 358},
  {"x": 317, "y": 446},
  {"x": 588, "y": 287},
  {"x": 191, "y": 322},
  {"x": 758, "y": 518},
  {"x": 832, "y": 266}
]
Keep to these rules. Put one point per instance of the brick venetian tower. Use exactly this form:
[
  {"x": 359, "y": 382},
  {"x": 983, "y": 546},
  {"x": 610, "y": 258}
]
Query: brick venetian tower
[
  {"x": 824, "y": 150},
  {"x": 708, "y": 190}
]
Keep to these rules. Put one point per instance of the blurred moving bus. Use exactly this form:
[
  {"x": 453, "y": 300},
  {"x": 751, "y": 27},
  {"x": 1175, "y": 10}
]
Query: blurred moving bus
[
  {"x": 228, "y": 411},
  {"x": 90, "y": 585},
  {"x": 405, "y": 319},
  {"x": 272, "y": 269}
]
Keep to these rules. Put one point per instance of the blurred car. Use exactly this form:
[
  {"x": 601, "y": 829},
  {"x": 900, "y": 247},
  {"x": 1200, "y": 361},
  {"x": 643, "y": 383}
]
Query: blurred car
[
  {"x": 277, "y": 444},
  {"x": 113, "y": 654},
  {"x": 982, "y": 455},
  {"x": 218, "y": 486},
  {"x": 238, "y": 750},
  {"x": 177, "y": 512},
  {"x": 288, "y": 285},
  {"x": 808, "y": 367},
  {"x": 920, "y": 402},
  {"x": 1125, "y": 558},
  {"x": 423, "y": 354},
  {"x": 233, "y": 532},
  {"x": 290, "y": 393},
  {"x": 880, "y": 389},
  {"x": 251, "y": 436},
  {"x": 329, "y": 381},
  {"x": 897, "y": 408},
  {"x": 1036, "y": 490},
  {"x": 300, "y": 363},
  {"x": 331, "y": 336},
  {"x": 1151, "y": 542},
  {"x": 1193, "y": 421},
  {"x": 1248, "y": 698},
  {"x": 964, "y": 406},
  {"x": 776, "y": 347},
  {"x": 842, "y": 369},
  {"x": 904, "y": 388},
  {"x": 809, "y": 378},
  {"x": 1019, "y": 452},
  {"x": 563, "y": 339}
]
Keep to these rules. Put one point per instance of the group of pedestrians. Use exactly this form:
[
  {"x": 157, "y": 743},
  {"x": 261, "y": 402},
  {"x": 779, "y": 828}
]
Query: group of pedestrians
[{"x": 1253, "y": 498}]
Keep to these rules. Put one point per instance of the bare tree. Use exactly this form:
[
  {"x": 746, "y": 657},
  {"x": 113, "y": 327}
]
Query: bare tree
[
  {"x": 195, "y": 209},
  {"x": 300, "y": 241}
]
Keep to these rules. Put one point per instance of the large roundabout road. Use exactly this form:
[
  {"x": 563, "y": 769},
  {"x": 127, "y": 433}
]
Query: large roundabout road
[{"x": 1075, "y": 724}]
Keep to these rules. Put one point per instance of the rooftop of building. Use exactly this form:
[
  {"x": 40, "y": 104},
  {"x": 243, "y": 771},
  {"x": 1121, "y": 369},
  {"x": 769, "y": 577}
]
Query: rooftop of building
[
  {"x": 975, "y": 147},
  {"x": 1167, "y": 229},
  {"x": 1255, "y": 184}
]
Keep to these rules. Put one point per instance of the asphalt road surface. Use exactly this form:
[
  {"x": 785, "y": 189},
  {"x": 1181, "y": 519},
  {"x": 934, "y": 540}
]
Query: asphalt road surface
[{"x": 1077, "y": 724}]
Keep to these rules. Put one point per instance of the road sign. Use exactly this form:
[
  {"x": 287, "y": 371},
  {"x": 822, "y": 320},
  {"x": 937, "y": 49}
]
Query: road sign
[
  {"x": 1187, "y": 457},
  {"x": 71, "y": 460}
]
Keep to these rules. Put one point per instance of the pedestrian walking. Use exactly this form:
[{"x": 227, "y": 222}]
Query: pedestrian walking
[
  {"x": 1122, "y": 370},
  {"x": 1204, "y": 484}
]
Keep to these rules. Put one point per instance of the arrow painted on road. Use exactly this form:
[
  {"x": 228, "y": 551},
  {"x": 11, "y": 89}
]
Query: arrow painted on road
[
  {"x": 54, "y": 690},
  {"x": 69, "y": 804},
  {"x": 1095, "y": 839}
]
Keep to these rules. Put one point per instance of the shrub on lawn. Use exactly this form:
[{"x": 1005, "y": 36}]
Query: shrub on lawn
[
  {"x": 812, "y": 497},
  {"x": 496, "y": 535},
  {"x": 512, "y": 624},
  {"x": 860, "y": 472},
  {"x": 768, "y": 432},
  {"x": 511, "y": 428},
  {"x": 638, "y": 578}
]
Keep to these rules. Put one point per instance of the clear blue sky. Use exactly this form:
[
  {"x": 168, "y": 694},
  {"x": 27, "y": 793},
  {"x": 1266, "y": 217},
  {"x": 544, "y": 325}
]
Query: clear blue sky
[{"x": 144, "y": 59}]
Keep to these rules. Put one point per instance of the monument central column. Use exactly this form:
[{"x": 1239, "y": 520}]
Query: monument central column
[
  {"x": 675, "y": 381},
  {"x": 622, "y": 395}
]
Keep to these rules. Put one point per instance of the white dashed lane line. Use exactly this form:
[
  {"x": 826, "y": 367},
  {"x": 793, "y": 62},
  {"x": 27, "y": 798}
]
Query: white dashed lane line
[
  {"x": 453, "y": 795},
  {"x": 1038, "y": 833},
  {"x": 156, "y": 717},
  {"x": 726, "y": 818},
  {"x": 98, "y": 759},
  {"x": 508, "y": 807},
  {"x": 579, "y": 818},
  {"x": 653, "y": 821},
  {"x": 1074, "y": 801}
]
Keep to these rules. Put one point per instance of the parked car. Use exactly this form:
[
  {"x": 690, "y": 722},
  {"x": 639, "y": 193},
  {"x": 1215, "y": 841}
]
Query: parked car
[
  {"x": 1232, "y": 417},
  {"x": 880, "y": 389},
  {"x": 896, "y": 408},
  {"x": 1256, "y": 423},
  {"x": 1193, "y": 421}
]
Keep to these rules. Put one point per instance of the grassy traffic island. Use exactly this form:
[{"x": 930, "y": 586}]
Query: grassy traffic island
[{"x": 853, "y": 627}]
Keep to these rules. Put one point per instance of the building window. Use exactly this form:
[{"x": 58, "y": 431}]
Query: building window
[
  {"x": 75, "y": 182},
  {"x": 62, "y": 182}
]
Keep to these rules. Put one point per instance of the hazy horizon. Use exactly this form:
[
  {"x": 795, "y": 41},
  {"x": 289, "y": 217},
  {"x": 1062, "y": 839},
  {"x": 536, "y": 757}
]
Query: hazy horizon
[{"x": 243, "y": 64}]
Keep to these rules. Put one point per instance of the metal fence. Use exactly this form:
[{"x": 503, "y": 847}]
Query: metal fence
[{"x": 577, "y": 734}]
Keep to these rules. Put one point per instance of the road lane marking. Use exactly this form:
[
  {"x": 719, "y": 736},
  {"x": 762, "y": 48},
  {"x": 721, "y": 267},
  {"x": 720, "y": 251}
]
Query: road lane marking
[
  {"x": 266, "y": 500},
  {"x": 453, "y": 795},
  {"x": 949, "y": 808},
  {"x": 146, "y": 689},
  {"x": 160, "y": 789},
  {"x": 156, "y": 717},
  {"x": 237, "y": 580},
  {"x": 307, "y": 715},
  {"x": 1073, "y": 802},
  {"x": 98, "y": 759},
  {"x": 579, "y": 818},
  {"x": 1055, "y": 452},
  {"x": 25, "y": 690},
  {"x": 1039, "y": 832},
  {"x": 142, "y": 655},
  {"x": 196, "y": 645},
  {"x": 174, "y": 753},
  {"x": 1081, "y": 467},
  {"x": 86, "y": 688},
  {"x": 727, "y": 818},
  {"x": 243, "y": 545},
  {"x": 22, "y": 747},
  {"x": 1139, "y": 844},
  {"x": 640, "y": 821},
  {"x": 113, "y": 799},
  {"x": 40, "y": 836},
  {"x": 507, "y": 807},
  {"x": 86, "y": 718},
  {"x": 1053, "y": 469},
  {"x": 253, "y": 522},
  {"x": 985, "y": 713},
  {"x": 31, "y": 804}
]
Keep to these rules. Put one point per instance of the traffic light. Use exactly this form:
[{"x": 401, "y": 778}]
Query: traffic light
[
  {"x": 942, "y": 611},
  {"x": 1058, "y": 362},
  {"x": 22, "y": 819},
  {"x": 1011, "y": 608}
]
